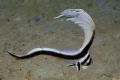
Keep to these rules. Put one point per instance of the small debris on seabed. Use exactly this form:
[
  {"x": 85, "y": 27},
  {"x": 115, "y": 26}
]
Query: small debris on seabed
[
  {"x": 117, "y": 36},
  {"x": 36, "y": 18},
  {"x": 17, "y": 18}
]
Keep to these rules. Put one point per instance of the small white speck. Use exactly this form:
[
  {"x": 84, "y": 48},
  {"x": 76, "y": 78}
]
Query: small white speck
[
  {"x": 117, "y": 36},
  {"x": 17, "y": 19},
  {"x": 84, "y": 67},
  {"x": 0, "y": 60}
]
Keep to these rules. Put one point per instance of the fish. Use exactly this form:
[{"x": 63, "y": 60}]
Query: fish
[{"x": 78, "y": 58}]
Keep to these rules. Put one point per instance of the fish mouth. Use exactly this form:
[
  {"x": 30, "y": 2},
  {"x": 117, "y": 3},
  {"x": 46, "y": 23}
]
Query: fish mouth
[{"x": 64, "y": 16}]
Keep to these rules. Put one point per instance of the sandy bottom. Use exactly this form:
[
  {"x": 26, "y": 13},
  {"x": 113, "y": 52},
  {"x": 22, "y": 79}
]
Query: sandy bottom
[{"x": 19, "y": 34}]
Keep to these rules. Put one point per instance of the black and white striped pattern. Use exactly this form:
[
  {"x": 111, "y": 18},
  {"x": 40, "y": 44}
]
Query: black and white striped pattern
[{"x": 79, "y": 57}]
